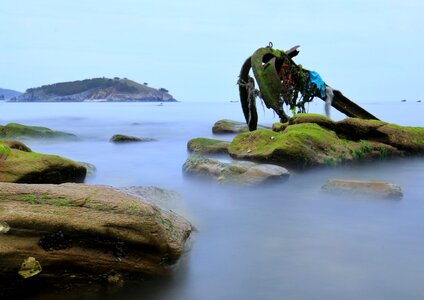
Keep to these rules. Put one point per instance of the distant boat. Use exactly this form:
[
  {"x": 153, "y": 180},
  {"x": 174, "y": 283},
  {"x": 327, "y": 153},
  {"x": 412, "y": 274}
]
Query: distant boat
[
  {"x": 233, "y": 101},
  {"x": 419, "y": 101},
  {"x": 160, "y": 104},
  {"x": 403, "y": 100}
]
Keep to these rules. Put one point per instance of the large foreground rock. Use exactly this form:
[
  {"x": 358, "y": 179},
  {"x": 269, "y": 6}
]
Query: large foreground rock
[
  {"x": 313, "y": 140},
  {"x": 246, "y": 173},
  {"x": 19, "y": 164},
  {"x": 81, "y": 233},
  {"x": 363, "y": 187},
  {"x": 19, "y": 131}
]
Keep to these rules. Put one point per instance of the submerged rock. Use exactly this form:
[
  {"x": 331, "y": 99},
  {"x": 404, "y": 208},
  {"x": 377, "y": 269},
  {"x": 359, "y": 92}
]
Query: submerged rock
[
  {"x": 312, "y": 141},
  {"x": 21, "y": 165},
  {"x": 360, "y": 187},
  {"x": 205, "y": 145},
  {"x": 120, "y": 138},
  {"x": 81, "y": 232},
  {"x": 238, "y": 172},
  {"x": 230, "y": 126},
  {"x": 19, "y": 131}
]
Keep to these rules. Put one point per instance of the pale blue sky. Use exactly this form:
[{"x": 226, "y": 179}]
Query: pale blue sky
[{"x": 371, "y": 50}]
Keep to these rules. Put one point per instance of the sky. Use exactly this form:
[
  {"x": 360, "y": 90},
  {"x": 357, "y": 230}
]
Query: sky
[{"x": 370, "y": 50}]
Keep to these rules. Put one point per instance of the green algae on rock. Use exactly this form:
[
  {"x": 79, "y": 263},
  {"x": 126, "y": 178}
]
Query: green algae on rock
[
  {"x": 121, "y": 138},
  {"x": 313, "y": 140},
  {"x": 19, "y": 131},
  {"x": 23, "y": 166},
  {"x": 205, "y": 145}
]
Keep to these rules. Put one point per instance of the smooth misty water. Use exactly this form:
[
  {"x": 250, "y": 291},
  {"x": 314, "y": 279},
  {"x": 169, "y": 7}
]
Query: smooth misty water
[{"x": 286, "y": 241}]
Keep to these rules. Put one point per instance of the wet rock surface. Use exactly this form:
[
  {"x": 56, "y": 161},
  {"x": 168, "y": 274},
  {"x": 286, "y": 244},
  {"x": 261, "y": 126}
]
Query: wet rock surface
[
  {"x": 245, "y": 173},
  {"x": 80, "y": 233}
]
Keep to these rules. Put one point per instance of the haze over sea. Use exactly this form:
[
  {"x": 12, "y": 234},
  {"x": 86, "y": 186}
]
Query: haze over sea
[{"x": 283, "y": 241}]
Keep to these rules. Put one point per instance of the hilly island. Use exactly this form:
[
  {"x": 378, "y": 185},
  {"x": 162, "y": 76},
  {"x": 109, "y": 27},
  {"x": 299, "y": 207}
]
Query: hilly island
[{"x": 95, "y": 89}]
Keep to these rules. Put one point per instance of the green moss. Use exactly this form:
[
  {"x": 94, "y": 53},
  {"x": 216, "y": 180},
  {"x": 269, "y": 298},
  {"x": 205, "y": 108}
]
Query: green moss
[
  {"x": 47, "y": 199},
  {"x": 14, "y": 130},
  {"x": 292, "y": 146},
  {"x": 31, "y": 198},
  {"x": 278, "y": 127},
  {"x": 4, "y": 152},
  {"x": 204, "y": 145}
]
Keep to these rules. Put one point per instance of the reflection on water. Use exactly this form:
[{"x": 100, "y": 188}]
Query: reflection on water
[{"x": 285, "y": 241}]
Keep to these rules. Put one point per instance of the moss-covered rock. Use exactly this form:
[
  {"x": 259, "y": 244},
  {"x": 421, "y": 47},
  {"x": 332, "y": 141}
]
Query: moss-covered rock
[
  {"x": 229, "y": 126},
  {"x": 23, "y": 166},
  {"x": 312, "y": 140},
  {"x": 246, "y": 173},
  {"x": 81, "y": 234},
  {"x": 204, "y": 145},
  {"x": 318, "y": 119},
  {"x": 278, "y": 127},
  {"x": 19, "y": 131},
  {"x": 121, "y": 138}
]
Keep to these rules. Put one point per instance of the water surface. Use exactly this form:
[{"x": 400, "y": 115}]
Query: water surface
[{"x": 285, "y": 241}]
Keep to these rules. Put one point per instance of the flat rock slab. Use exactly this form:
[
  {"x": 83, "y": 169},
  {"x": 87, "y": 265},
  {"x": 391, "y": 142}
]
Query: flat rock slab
[
  {"x": 242, "y": 172},
  {"x": 360, "y": 187},
  {"x": 230, "y": 126},
  {"x": 82, "y": 232}
]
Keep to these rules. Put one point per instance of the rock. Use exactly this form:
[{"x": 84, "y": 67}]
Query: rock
[
  {"x": 318, "y": 119},
  {"x": 4, "y": 227},
  {"x": 19, "y": 131},
  {"x": 278, "y": 127},
  {"x": 120, "y": 138},
  {"x": 230, "y": 126},
  {"x": 16, "y": 145},
  {"x": 303, "y": 143},
  {"x": 246, "y": 173},
  {"x": 372, "y": 188},
  {"x": 204, "y": 145},
  {"x": 30, "y": 267},
  {"x": 84, "y": 233},
  {"x": 21, "y": 166}
]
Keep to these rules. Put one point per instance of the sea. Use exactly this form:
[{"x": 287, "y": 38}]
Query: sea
[{"x": 289, "y": 240}]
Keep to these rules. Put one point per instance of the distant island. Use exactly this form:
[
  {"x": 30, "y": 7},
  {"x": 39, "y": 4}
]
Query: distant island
[
  {"x": 95, "y": 90},
  {"x": 6, "y": 94}
]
